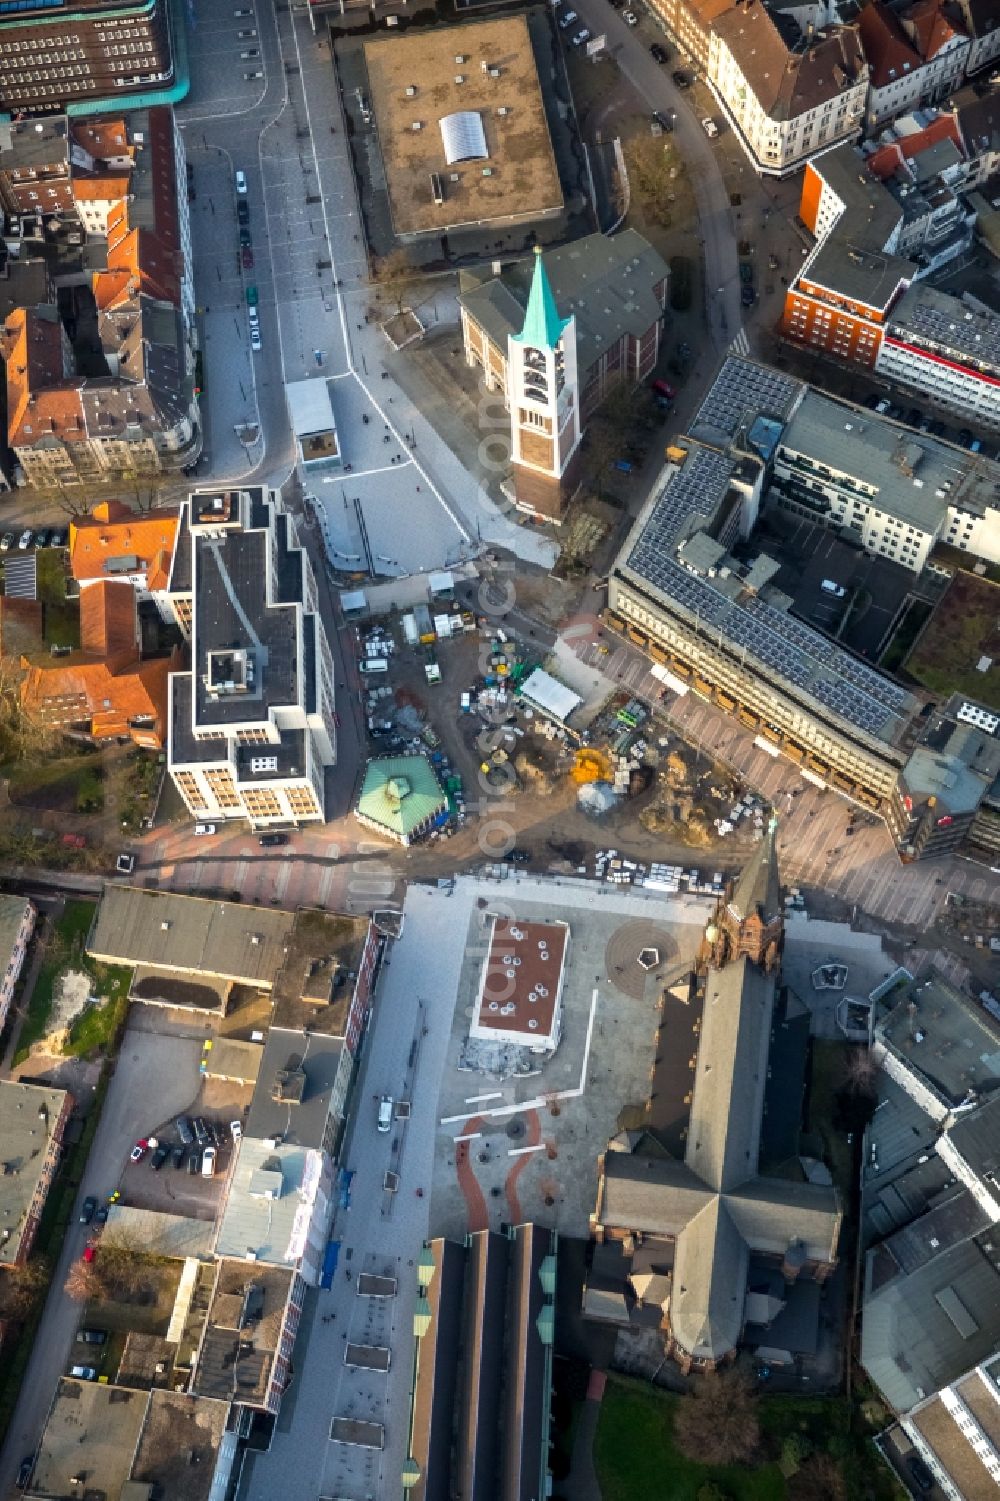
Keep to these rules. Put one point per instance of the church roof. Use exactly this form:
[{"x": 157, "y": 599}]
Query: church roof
[
  {"x": 543, "y": 327},
  {"x": 758, "y": 890}
]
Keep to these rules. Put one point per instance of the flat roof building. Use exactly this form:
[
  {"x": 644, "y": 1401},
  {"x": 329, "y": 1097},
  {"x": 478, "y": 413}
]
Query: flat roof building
[
  {"x": 462, "y": 128},
  {"x": 938, "y": 1045},
  {"x": 32, "y": 1125},
  {"x": 51, "y": 58},
  {"x": 248, "y": 1334},
  {"x": 252, "y": 725},
  {"x": 520, "y": 995},
  {"x": 92, "y": 1429},
  {"x": 17, "y": 923}
]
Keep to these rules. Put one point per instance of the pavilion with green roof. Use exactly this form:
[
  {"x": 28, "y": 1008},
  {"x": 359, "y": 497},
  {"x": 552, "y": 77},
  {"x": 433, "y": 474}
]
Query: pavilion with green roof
[{"x": 401, "y": 797}]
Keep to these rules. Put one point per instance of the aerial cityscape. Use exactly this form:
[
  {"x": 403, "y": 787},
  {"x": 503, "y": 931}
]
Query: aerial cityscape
[{"x": 500, "y": 750}]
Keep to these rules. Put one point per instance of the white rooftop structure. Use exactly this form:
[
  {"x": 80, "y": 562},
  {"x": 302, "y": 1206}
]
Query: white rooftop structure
[
  {"x": 463, "y": 136},
  {"x": 549, "y": 696},
  {"x": 313, "y": 422}
]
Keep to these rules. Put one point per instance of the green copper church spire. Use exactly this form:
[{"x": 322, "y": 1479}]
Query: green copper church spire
[{"x": 543, "y": 327}]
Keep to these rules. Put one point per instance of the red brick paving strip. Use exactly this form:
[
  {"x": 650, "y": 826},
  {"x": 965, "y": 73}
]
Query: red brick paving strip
[
  {"x": 520, "y": 1163},
  {"x": 479, "y": 1216}
]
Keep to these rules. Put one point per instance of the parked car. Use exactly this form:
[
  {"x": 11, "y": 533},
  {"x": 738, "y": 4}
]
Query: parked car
[
  {"x": 241, "y": 181},
  {"x": 663, "y": 121},
  {"x": 204, "y": 828},
  {"x": 245, "y": 237},
  {"x": 255, "y": 343},
  {"x": 746, "y": 271},
  {"x": 184, "y": 1130},
  {"x": 630, "y": 18},
  {"x": 6, "y": 542},
  {"x": 43, "y": 538},
  {"x": 243, "y": 212},
  {"x": 581, "y": 37},
  {"x": 219, "y": 1133},
  {"x": 101, "y": 1217},
  {"x": 194, "y": 1161},
  {"x": 88, "y": 1209},
  {"x": 663, "y": 388},
  {"x": 140, "y": 1149},
  {"x": 25, "y": 540},
  {"x": 58, "y": 538},
  {"x": 246, "y": 256},
  {"x": 89, "y": 1252},
  {"x": 91, "y": 1336},
  {"x": 384, "y": 1113},
  {"x": 159, "y": 1157},
  {"x": 710, "y": 128},
  {"x": 24, "y": 1473},
  {"x": 567, "y": 20},
  {"x": 272, "y": 841},
  {"x": 236, "y": 1130},
  {"x": 201, "y": 1131},
  {"x": 681, "y": 79},
  {"x": 253, "y": 297},
  {"x": 177, "y": 1156},
  {"x": 920, "y": 1472},
  {"x": 208, "y": 1162},
  {"x": 84, "y": 1372},
  {"x": 659, "y": 53},
  {"x": 829, "y": 586},
  {"x": 747, "y": 295}
]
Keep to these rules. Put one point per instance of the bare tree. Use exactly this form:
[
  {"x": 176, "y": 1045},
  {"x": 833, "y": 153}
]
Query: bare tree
[
  {"x": 124, "y": 1265},
  {"x": 84, "y": 1283},
  {"x": 26, "y": 1284},
  {"x": 717, "y": 1423},
  {"x": 861, "y": 1069},
  {"x": 650, "y": 161},
  {"x": 397, "y": 276},
  {"x": 818, "y": 1479}
]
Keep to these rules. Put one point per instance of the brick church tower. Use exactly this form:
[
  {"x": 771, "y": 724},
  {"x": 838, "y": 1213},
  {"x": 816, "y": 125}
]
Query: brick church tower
[
  {"x": 543, "y": 392},
  {"x": 750, "y": 919}
]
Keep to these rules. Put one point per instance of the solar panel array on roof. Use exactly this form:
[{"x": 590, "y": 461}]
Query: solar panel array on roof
[
  {"x": 803, "y": 657},
  {"x": 742, "y": 391}
]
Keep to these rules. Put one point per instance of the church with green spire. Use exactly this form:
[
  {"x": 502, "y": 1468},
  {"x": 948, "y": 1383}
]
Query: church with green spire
[{"x": 556, "y": 332}]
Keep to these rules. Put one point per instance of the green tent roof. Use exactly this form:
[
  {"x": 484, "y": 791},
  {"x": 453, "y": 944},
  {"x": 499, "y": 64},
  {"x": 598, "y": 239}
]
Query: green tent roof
[
  {"x": 401, "y": 793},
  {"x": 543, "y": 327}
]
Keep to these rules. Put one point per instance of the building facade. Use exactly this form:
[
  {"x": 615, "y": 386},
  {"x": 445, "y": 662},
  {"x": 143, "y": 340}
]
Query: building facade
[
  {"x": 940, "y": 347},
  {"x": 916, "y": 56},
  {"x": 252, "y": 725},
  {"x": 102, "y": 49},
  {"x": 33, "y": 1122},
  {"x": 17, "y": 923}
]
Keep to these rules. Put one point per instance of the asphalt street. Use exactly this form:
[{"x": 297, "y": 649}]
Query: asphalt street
[{"x": 150, "y": 1067}]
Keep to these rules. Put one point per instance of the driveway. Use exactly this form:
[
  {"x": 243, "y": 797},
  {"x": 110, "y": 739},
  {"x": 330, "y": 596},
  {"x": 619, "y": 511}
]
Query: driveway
[{"x": 150, "y": 1068}]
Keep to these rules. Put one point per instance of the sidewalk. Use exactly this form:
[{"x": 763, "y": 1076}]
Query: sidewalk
[{"x": 581, "y": 1483}]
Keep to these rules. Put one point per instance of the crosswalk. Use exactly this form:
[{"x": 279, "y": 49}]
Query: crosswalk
[{"x": 741, "y": 344}]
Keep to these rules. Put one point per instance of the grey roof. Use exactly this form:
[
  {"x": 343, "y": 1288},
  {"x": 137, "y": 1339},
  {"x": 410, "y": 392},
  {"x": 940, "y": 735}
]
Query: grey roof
[
  {"x": 291, "y": 1099},
  {"x": 242, "y": 1331},
  {"x": 856, "y": 272},
  {"x": 477, "y": 1447},
  {"x": 605, "y": 283},
  {"x": 758, "y": 888},
  {"x": 976, "y": 1137},
  {"x": 741, "y": 392},
  {"x": 912, "y": 476},
  {"x": 34, "y": 143},
  {"x": 870, "y": 214},
  {"x": 958, "y": 1046},
  {"x": 28, "y": 1113},
  {"x": 179, "y": 1445},
  {"x": 434, "y": 1385},
  {"x": 12, "y": 910},
  {"x": 93, "y": 1428},
  {"x": 940, "y": 323},
  {"x": 835, "y": 686},
  {"x": 788, "y": 78},
  {"x": 922, "y": 1330},
  {"x": 190, "y": 935},
  {"x": 263, "y": 1205},
  {"x": 956, "y": 786},
  {"x": 953, "y": 1218}
]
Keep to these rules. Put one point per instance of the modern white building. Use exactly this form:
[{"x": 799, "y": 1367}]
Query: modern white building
[
  {"x": 944, "y": 349},
  {"x": 895, "y": 491},
  {"x": 251, "y": 725}
]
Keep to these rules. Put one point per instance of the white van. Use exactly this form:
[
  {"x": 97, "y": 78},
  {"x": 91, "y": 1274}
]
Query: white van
[
  {"x": 373, "y": 665},
  {"x": 208, "y": 1163},
  {"x": 829, "y": 587},
  {"x": 385, "y": 1112}
]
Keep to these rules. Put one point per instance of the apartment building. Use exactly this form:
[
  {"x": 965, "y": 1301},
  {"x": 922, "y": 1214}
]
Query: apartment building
[
  {"x": 895, "y": 491},
  {"x": 115, "y": 543},
  {"x": 17, "y": 923},
  {"x": 787, "y": 95},
  {"x": 916, "y": 55},
  {"x": 251, "y": 725},
  {"x": 956, "y": 1432},
  {"x": 33, "y": 1121},
  {"x": 97, "y": 50},
  {"x": 946, "y": 350},
  {"x": 948, "y": 796},
  {"x": 135, "y": 410}
]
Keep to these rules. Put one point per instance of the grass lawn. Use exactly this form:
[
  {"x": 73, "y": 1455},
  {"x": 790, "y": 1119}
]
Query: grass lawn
[
  {"x": 637, "y": 1459},
  {"x": 71, "y": 784},
  {"x": 965, "y": 626},
  {"x": 98, "y": 1025},
  {"x": 61, "y": 617}
]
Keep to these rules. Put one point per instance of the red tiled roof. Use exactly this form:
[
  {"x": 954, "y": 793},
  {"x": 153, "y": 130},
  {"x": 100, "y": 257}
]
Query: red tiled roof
[
  {"x": 108, "y": 693},
  {"x": 39, "y": 400},
  {"x": 889, "y": 51},
  {"x": 884, "y": 162},
  {"x": 931, "y": 24},
  {"x": 107, "y": 618},
  {"x": 93, "y": 541}
]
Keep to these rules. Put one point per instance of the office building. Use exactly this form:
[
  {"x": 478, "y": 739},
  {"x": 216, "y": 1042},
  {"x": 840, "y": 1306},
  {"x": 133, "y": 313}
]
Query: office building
[
  {"x": 252, "y": 729},
  {"x": 948, "y": 796},
  {"x": 51, "y": 57},
  {"x": 947, "y": 351}
]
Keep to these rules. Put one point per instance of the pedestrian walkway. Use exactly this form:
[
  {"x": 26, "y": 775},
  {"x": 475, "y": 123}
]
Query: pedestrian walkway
[{"x": 582, "y": 1483}]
